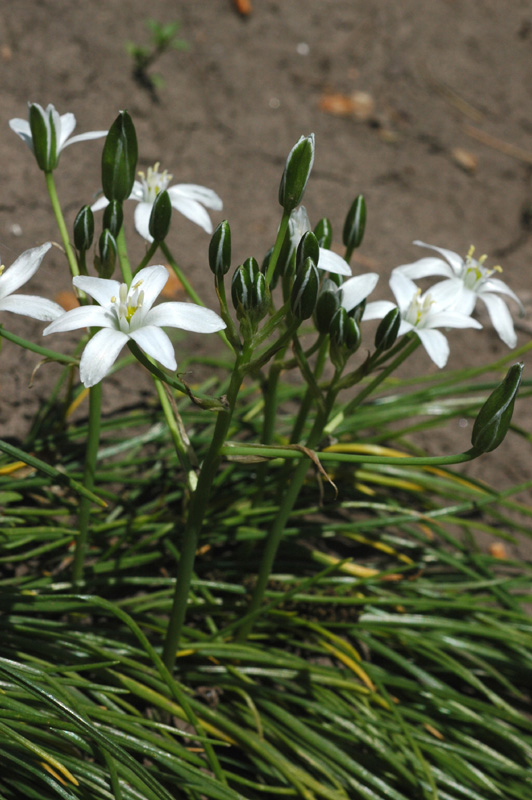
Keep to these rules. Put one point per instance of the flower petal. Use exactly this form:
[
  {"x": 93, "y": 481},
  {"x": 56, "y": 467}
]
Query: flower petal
[
  {"x": 100, "y": 354},
  {"x": 21, "y": 270},
  {"x": 453, "y": 294},
  {"x": 332, "y": 262},
  {"x": 496, "y": 285},
  {"x": 454, "y": 259},
  {"x": 357, "y": 289},
  {"x": 31, "y": 306},
  {"x": 100, "y": 289},
  {"x": 22, "y": 128},
  {"x": 67, "y": 123},
  {"x": 435, "y": 344},
  {"x": 191, "y": 191},
  {"x": 377, "y": 310},
  {"x": 156, "y": 344},
  {"x": 151, "y": 280},
  {"x": 190, "y": 209},
  {"x": 425, "y": 267},
  {"x": 83, "y": 137},
  {"x": 101, "y": 202},
  {"x": 501, "y": 318},
  {"x": 142, "y": 220},
  {"x": 404, "y": 290},
  {"x": 449, "y": 319},
  {"x": 188, "y": 316},
  {"x": 82, "y": 317}
]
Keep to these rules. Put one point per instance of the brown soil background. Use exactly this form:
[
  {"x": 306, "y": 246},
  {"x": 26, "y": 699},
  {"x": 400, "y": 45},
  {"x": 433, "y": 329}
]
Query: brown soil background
[{"x": 442, "y": 74}]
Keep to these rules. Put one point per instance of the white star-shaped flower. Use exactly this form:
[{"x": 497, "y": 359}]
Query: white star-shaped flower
[
  {"x": 16, "y": 276},
  {"x": 126, "y": 313},
  {"x": 421, "y": 313},
  {"x": 298, "y": 225},
  {"x": 466, "y": 280},
  {"x": 58, "y": 129},
  {"x": 187, "y": 198}
]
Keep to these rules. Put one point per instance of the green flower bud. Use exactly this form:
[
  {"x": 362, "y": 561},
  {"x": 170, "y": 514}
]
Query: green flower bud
[
  {"x": 113, "y": 217},
  {"x": 493, "y": 419},
  {"x": 326, "y": 307},
  {"x": 305, "y": 290},
  {"x": 84, "y": 229},
  {"x": 345, "y": 331},
  {"x": 355, "y": 223},
  {"x": 44, "y": 136},
  {"x": 249, "y": 291},
  {"x": 220, "y": 250},
  {"x": 296, "y": 173},
  {"x": 323, "y": 233},
  {"x": 388, "y": 329},
  {"x": 119, "y": 158},
  {"x": 160, "y": 217},
  {"x": 106, "y": 260},
  {"x": 308, "y": 247}
]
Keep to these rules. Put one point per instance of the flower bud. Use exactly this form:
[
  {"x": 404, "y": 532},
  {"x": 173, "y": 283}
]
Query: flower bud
[
  {"x": 326, "y": 307},
  {"x": 84, "y": 229},
  {"x": 296, "y": 173},
  {"x": 44, "y": 136},
  {"x": 493, "y": 419},
  {"x": 386, "y": 333},
  {"x": 323, "y": 233},
  {"x": 106, "y": 260},
  {"x": 119, "y": 158},
  {"x": 308, "y": 247},
  {"x": 220, "y": 250},
  {"x": 113, "y": 217},
  {"x": 345, "y": 337},
  {"x": 249, "y": 291},
  {"x": 355, "y": 223},
  {"x": 305, "y": 289},
  {"x": 160, "y": 217}
]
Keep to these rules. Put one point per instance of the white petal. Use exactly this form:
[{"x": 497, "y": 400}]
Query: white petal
[
  {"x": 22, "y": 128},
  {"x": 496, "y": 285},
  {"x": 450, "y": 319},
  {"x": 454, "y": 259},
  {"x": 142, "y": 220},
  {"x": 191, "y": 209},
  {"x": 188, "y": 316},
  {"x": 403, "y": 288},
  {"x": 82, "y": 317},
  {"x": 425, "y": 267},
  {"x": 83, "y": 137},
  {"x": 99, "y": 355},
  {"x": 377, "y": 310},
  {"x": 501, "y": 318},
  {"x": 137, "y": 192},
  {"x": 156, "y": 344},
  {"x": 453, "y": 294},
  {"x": 100, "y": 289},
  {"x": 332, "y": 262},
  {"x": 435, "y": 344},
  {"x": 151, "y": 280},
  {"x": 66, "y": 125},
  {"x": 191, "y": 191},
  {"x": 30, "y": 306},
  {"x": 101, "y": 202},
  {"x": 357, "y": 289},
  {"x": 25, "y": 266}
]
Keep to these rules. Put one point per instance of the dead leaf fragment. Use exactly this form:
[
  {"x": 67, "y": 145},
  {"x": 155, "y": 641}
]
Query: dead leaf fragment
[
  {"x": 359, "y": 105},
  {"x": 173, "y": 287},
  {"x": 243, "y": 7},
  {"x": 464, "y": 159},
  {"x": 67, "y": 299},
  {"x": 498, "y": 550}
]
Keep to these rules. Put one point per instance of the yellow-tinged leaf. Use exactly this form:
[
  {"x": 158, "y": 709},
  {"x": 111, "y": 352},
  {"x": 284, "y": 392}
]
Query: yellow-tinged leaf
[
  {"x": 351, "y": 664},
  {"x": 77, "y": 402},
  {"x": 14, "y": 467}
]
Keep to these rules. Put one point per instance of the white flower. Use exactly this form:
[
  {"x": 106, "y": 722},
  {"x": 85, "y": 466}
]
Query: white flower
[
  {"x": 421, "y": 313},
  {"x": 466, "y": 281},
  {"x": 58, "y": 133},
  {"x": 298, "y": 225},
  {"x": 16, "y": 276},
  {"x": 124, "y": 314},
  {"x": 356, "y": 289},
  {"x": 187, "y": 198}
]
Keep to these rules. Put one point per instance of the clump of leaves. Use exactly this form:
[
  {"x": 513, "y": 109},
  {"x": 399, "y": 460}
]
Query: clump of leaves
[{"x": 163, "y": 37}]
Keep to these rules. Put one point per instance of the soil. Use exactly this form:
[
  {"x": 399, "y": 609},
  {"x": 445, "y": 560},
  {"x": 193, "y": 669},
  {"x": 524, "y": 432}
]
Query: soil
[{"x": 425, "y": 108}]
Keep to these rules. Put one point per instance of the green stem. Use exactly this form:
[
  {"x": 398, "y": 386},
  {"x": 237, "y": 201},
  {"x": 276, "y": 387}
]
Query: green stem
[
  {"x": 70, "y": 254},
  {"x": 150, "y": 252},
  {"x": 277, "y": 247},
  {"x": 306, "y": 403},
  {"x": 196, "y": 513},
  {"x": 82, "y": 541},
  {"x": 182, "y": 447},
  {"x": 123, "y": 257},
  {"x": 35, "y": 348},
  {"x": 285, "y": 509}
]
